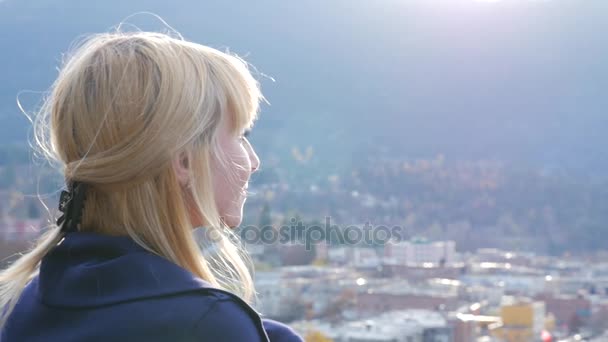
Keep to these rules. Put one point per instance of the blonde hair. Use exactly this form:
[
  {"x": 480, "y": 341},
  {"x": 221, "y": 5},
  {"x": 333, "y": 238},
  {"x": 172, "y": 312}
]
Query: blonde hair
[{"x": 124, "y": 105}]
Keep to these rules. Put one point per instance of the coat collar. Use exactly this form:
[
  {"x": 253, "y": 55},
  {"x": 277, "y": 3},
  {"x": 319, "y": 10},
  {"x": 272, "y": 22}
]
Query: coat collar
[{"x": 88, "y": 270}]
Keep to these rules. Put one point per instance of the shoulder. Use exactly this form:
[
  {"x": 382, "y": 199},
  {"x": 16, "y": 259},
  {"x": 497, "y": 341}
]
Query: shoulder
[
  {"x": 279, "y": 332},
  {"x": 227, "y": 318}
]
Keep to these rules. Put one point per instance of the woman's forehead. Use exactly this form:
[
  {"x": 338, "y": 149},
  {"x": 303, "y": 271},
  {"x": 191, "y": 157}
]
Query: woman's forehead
[{"x": 235, "y": 122}]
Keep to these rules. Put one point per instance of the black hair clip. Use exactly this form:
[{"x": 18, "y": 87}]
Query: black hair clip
[{"x": 71, "y": 203}]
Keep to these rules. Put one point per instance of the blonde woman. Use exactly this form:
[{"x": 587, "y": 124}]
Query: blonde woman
[{"x": 150, "y": 132}]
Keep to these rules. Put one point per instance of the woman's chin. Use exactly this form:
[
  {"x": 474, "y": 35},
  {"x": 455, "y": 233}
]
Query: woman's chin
[
  {"x": 235, "y": 217},
  {"x": 234, "y": 225},
  {"x": 233, "y": 221}
]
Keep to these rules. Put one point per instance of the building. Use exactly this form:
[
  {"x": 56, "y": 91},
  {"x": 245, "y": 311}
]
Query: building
[
  {"x": 398, "y": 326},
  {"x": 420, "y": 251},
  {"x": 568, "y": 310},
  {"x": 270, "y": 296},
  {"x": 522, "y": 320},
  {"x": 401, "y": 295},
  {"x": 422, "y": 272},
  {"x": 365, "y": 257},
  {"x": 305, "y": 292}
]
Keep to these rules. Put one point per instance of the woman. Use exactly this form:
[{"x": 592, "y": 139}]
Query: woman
[{"x": 150, "y": 131}]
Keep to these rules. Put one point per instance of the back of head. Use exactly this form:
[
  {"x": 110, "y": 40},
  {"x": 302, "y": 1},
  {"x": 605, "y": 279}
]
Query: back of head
[{"x": 123, "y": 106}]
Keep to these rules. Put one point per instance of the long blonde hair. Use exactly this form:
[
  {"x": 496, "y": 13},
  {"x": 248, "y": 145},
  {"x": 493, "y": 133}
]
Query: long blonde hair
[{"x": 124, "y": 105}]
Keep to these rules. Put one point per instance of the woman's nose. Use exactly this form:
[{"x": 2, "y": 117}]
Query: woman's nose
[{"x": 255, "y": 160}]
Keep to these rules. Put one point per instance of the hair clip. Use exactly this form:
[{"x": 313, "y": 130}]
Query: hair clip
[{"x": 71, "y": 204}]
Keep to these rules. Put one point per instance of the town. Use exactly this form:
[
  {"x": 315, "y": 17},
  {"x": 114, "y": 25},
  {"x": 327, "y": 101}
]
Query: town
[{"x": 422, "y": 290}]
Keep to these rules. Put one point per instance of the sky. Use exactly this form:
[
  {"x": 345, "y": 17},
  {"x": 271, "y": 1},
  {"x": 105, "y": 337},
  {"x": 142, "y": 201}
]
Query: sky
[{"x": 521, "y": 80}]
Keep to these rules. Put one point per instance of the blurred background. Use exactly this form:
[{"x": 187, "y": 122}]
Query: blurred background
[{"x": 476, "y": 127}]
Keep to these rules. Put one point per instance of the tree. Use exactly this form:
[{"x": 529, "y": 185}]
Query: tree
[
  {"x": 265, "y": 219},
  {"x": 265, "y": 222}
]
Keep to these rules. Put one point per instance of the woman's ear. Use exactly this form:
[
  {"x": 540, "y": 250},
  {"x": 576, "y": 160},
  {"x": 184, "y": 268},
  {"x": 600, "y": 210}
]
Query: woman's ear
[{"x": 181, "y": 168}]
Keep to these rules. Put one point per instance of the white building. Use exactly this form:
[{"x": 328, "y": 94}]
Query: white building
[
  {"x": 290, "y": 292},
  {"x": 339, "y": 255},
  {"x": 270, "y": 293},
  {"x": 365, "y": 257},
  {"x": 421, "y": 251},
  {"x": 398, "y": 326}
]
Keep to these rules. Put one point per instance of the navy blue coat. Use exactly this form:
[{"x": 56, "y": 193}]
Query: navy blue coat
[{"x": 94, "y": 287}]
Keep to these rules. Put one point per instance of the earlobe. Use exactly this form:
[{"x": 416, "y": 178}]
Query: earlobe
[{"x": 180, "y": 167}]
